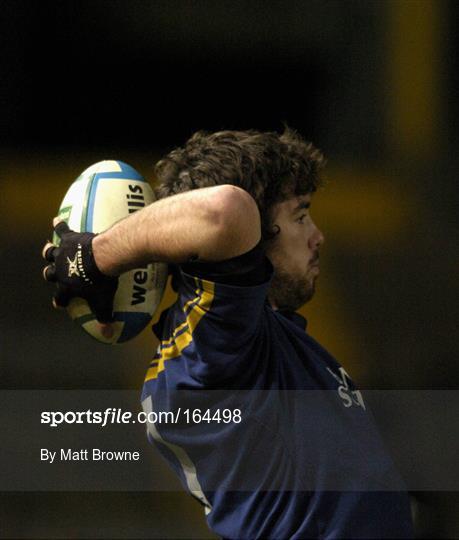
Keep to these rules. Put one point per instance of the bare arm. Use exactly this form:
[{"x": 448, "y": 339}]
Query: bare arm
[{"x": 212, "y": 224}]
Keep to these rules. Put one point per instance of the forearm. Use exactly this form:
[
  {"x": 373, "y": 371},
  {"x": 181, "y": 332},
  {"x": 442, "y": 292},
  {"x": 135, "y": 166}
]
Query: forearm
[{"x": 211, "y": 224}]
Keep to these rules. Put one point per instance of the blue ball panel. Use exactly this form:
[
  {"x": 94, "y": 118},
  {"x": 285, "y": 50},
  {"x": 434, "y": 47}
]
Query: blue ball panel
[
  {"x": 127, "y": 172},
  {"x": 134, "y": 323},
  {"x": 90, "y": 204}
]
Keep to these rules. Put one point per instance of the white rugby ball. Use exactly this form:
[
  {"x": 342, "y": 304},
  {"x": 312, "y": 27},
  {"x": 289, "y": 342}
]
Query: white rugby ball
[{"x": 102, "y": 195}]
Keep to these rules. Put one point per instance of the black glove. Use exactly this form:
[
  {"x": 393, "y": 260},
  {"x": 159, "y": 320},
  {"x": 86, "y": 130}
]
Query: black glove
[{"x": 75, "y": 271}]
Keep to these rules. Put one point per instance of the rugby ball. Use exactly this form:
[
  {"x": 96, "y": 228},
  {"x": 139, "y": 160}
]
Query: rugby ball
[{"x": 102, "y": 195}]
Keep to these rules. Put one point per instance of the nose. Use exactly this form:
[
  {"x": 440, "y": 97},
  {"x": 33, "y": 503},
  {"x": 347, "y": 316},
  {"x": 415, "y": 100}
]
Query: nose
[{"x": 316, "y": 239}]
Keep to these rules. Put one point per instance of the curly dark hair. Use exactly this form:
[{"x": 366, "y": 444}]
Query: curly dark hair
[{"x": 270, "y": 166}]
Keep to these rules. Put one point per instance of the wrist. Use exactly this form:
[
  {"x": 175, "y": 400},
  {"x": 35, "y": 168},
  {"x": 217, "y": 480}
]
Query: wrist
[{"x": 102, "y": 258}]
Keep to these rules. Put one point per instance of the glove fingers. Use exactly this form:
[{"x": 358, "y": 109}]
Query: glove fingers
[
  {"x": 62, "y": 296},
  {"x": 49, "y": 252},
  {"x": 61, "y": 228},
  {"x": 49, "y": 273}
]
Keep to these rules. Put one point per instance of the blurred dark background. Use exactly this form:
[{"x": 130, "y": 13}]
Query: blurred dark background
[{"x": 373, "y": 84}]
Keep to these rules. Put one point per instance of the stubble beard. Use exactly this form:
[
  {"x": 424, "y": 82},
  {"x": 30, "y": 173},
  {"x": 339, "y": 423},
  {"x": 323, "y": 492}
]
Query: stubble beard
[{"x": 289, "y": 292}]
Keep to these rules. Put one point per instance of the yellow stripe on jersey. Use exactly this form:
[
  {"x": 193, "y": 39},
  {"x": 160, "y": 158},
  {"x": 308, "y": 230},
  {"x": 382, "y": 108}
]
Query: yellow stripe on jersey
[
  {"x": 182, "y": 336},
  {"x": 177, "y": 330}
]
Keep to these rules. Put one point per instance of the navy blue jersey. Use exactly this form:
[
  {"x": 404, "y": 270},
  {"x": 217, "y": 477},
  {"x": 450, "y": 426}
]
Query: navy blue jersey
[{"x": 302, "y": 458}]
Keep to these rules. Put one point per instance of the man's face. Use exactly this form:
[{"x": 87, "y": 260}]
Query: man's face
[{"x": 294, "y": 254}]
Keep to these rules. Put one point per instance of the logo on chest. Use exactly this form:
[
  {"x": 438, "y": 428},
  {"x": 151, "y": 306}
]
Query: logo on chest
[{"x": 348, "y": 396}]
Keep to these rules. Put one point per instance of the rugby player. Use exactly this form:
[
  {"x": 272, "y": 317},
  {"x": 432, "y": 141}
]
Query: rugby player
[{"x": 302, "y": 457}]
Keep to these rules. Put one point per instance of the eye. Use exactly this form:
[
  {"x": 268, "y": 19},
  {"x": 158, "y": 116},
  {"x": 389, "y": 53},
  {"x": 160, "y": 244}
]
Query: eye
[{"x": 300, "y": 220}]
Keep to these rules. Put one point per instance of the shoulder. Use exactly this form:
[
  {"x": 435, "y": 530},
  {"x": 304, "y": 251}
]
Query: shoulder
[{"x": 245, "y": 270}]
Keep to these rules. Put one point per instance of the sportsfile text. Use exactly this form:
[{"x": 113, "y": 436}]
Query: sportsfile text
[{"x": 113, "y": 415}]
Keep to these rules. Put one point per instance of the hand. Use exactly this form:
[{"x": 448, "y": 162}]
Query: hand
[{"x": 74, "y": 270}]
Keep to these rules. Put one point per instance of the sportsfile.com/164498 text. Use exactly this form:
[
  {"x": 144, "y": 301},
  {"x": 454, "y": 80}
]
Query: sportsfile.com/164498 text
[{"x": 113, "y": 415}]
